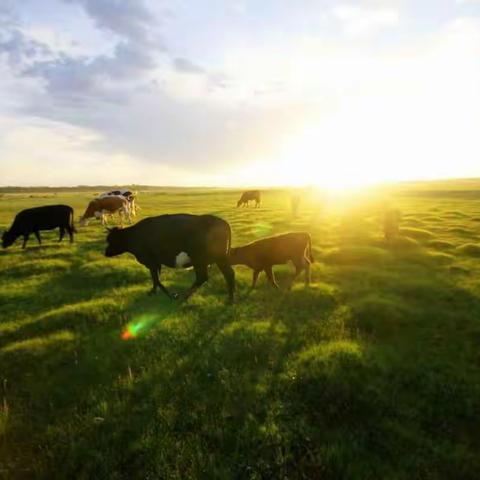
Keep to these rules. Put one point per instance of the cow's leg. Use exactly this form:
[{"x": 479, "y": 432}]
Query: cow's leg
[
  {"x": 300, "y": 265},
  {"x": 62, "y": 234},
  {"x": 307, "y": 271},
  {"x": 255, "y": 275},
  {"x": 271, "y": 277},
  {"x": 201, "y": 276},
  {"x": 37, "y": 234},
  {"x": 155, "y": 273},
  {"x": 25, "y": 239},
  {"x": 124, "y": 215},
  {"x": 229, "y": 274}
]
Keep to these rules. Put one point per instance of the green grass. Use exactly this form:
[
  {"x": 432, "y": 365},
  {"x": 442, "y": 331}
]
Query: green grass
[{"x": 372, "y": 372}]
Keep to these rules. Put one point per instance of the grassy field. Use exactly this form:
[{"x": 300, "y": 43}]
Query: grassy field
[{"x": 372, "y": 372}]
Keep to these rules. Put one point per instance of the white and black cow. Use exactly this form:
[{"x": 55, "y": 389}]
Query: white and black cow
[{"x": 177, "y": 241}]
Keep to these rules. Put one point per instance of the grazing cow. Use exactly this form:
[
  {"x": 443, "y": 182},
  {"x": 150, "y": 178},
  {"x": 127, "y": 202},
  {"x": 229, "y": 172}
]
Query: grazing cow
[
  {"x": 128, "y": 194},
  {"x": 181, "y": 241},
  {"x": 100, "y": 207},
  {"x": 264, "y": 253},
  {"x": 295, "y": 203},
  {"x": 391, "y": 223},
  {"x": 33, "y": 220},
  {"x": 249, "y": 195}
]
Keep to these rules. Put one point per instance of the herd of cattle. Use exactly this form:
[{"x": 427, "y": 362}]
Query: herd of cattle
[{"x": 176, "y": 241}]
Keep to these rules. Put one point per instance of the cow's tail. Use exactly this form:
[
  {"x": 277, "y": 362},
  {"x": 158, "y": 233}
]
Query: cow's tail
[
  {"x": 310, "y": 254},
  {"x": 71, "y": 222},
  {"x": 229, "y": 246}
]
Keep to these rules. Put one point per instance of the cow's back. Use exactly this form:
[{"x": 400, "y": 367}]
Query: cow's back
[
  {"x": 128, "y": 194},
  {"x": 111, "y": 204},
  {"x": 280, "y": 248},
  {"x": 171, "y": 227},
  {"x": 45, "y": 217},
  {"x": 252, "y": 195},
  {"x": 196, "y": 234}
]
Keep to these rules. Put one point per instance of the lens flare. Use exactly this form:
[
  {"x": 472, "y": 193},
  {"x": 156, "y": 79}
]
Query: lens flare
[{"x": 141, "y": 326}]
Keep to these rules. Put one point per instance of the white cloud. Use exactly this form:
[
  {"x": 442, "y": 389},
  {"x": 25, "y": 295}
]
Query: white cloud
[
  {"x": 142, "y": 114},
  {"x": 360, "y": 20},
  {"x": 42, "y": 152}
]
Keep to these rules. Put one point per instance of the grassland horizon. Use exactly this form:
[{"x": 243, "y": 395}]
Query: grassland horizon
[{"x": 449, "y": 182}]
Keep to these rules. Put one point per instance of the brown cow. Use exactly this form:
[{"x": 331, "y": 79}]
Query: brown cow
[
  {"x": 128, "y": 194},
  {"x": 100, "y": 207},
  {"x": 250, "y": 195},
  {"x": 264, "y": 253}
]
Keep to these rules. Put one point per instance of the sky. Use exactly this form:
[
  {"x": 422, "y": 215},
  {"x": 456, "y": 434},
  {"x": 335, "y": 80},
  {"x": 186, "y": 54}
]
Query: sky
[{"x": 238, "y": 92}]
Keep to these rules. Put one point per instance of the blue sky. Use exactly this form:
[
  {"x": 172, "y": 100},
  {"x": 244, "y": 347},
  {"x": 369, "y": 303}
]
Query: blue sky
[{"x": 238, "y": 92}]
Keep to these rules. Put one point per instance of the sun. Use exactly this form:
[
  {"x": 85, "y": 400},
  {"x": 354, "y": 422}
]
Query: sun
[{"x": 328, "y": 160}]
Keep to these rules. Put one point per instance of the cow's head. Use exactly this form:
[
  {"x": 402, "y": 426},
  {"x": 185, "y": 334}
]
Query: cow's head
[
  {"x": 116, "y": 244},
  {"x": 235, "y": 257},
  {"x": 92, "y": 207},
  {"x": 8, "y": 238}
]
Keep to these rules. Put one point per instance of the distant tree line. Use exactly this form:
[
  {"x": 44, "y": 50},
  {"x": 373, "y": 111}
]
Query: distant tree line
[{"x": 78, "y": 188}]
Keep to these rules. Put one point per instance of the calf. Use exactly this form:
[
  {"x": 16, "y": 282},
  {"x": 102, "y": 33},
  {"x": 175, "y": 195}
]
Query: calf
[
  {"x": 248, "y": 196},
  {"x": 100, "y": 207},
  {"x": 263, "y": 254},
  {"x": 180, "y": 241},
  {"x": 33, "y": 220}
]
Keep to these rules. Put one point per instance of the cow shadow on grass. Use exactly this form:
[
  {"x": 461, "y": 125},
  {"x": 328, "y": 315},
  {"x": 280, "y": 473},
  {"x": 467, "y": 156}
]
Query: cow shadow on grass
[
  {"x": 66, "y": 358},
  {"x": 194, "y": 371},
  {"x": 148, "y": 387},
  {"x": 75, "y": 356}
]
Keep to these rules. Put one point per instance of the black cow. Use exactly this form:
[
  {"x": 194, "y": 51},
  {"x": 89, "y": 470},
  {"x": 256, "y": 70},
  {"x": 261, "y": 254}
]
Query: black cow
[
  {"x": 248, "y": 196},
  {"x": 32, "y": 220},
  {"x": 181, "y": 241}
]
